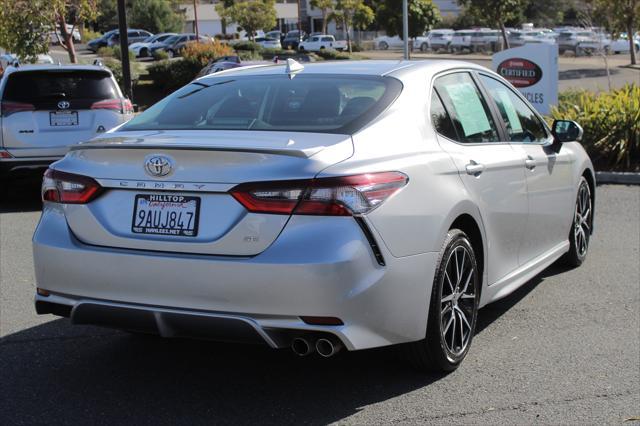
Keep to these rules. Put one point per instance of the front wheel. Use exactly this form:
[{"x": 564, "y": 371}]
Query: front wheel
[
  {"x": 383, "y": 45},
  {"x": 580, "y": 232},
  {"x": 171, "y": 53},
  {"x": 453, "y": 309},
  {"x": 424, "y": 47}
]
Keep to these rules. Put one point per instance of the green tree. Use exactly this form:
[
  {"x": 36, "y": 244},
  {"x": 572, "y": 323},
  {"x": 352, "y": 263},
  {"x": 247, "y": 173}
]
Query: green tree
[
  {"x": 23, "y": 27},
  {"x": 79, "y": 11},
  {"x": 619, "y": 16},
  {"x": 497, "y": 11},
  {"x": 351, "y": 13},
  {"x": 325, "y": 7},
  {"x": 157, "y": 16},
  {"x": 423, "y": 15},
  {"x": 251, "y": 15},
  {"x": 107, "y": 19}
]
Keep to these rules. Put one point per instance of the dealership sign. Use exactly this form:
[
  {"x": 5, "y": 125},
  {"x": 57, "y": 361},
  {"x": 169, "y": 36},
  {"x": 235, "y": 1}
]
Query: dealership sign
[{"x": 533, "y": 70}]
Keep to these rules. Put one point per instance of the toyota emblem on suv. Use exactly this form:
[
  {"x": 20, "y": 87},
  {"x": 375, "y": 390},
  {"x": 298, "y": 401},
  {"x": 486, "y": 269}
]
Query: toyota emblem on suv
[
  {"x": 158, "y": 165},
  {"x": 64, "y": 104}
]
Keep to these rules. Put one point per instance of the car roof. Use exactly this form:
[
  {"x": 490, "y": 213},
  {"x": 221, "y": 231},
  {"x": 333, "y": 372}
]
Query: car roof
[
  {"x": 365, "y": 68},
  {"x": 55, "y": 67}
]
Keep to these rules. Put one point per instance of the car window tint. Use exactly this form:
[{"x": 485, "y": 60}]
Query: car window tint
[
  {"x": 313, "y": 103},
  {"x": 467, "y": 108},
  {"x": 523, "y": 125},
  {"x": 34, "y": 86},
  {"x": 326, "y": 39},
  {"x": 440, "y": 118}
]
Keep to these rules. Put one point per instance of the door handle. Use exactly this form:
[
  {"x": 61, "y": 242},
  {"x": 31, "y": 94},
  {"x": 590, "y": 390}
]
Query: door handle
[
  {"x": 474, "y": 168},
  {"x": 530, "y": 163}
]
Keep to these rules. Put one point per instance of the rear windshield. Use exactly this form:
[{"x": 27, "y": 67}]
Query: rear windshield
[
  {"x": 306, "y": 103},
  {"x": 30, "y": 86}
]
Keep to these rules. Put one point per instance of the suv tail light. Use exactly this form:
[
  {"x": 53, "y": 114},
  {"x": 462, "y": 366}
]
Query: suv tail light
[
  {"x": 68, "y": 188},
  {"x": 123, "y": 106},
  {"x": 9, "y": 107},
  {"x": 334, "y": 196}
]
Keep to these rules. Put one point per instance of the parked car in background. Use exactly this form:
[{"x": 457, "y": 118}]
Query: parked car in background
[
  {"x": 598, "y": 43},
  {"x": 386, "y": 42},
  {"x": 461, "y": 40},
  {"x": 302, "y": 212},
  {"x": 434, "y": 40},
  {"x": 226, "y": 63},
  {"x": 142, "y": 48},
  {"x": 174, "y": 44},
  {"x": 292, "y": 40},
  {"x": 102, "y": 41},
  {"x": 269, "y": 43},
  {"x": 521, "y": 37},
  {"x": 133, "y": 36},
  {"x": 621, "y": 45},
  {"x": 486, "y": 39},
  {"x": 8, "y": 59},
  {"x": 275, "y": 35},
  {"x": 320, "y": 42},
  {"x": 56, "y": 36},
  {"x": 568, "y": 40},
  {"x": 45, "y": 109}
]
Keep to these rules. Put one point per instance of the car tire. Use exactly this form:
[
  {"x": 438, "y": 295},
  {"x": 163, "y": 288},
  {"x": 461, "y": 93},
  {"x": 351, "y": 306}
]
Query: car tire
[
  {"x": 171, "y": 53},
  {"x": 144, "y": 52},
  {"x": 424, "y": 47},
  {"x": 581, "y": 227},
  {"x": 460, "y": 296},
  {"x": 383, "y": 45}
]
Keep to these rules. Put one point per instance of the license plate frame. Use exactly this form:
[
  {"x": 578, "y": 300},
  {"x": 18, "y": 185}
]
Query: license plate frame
[
  {"x": 70, "y": 118},
  {"x": 154, "y": 213}
]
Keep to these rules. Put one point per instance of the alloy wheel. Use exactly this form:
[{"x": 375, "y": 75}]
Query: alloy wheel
[
  {"x": 457, "y": 301},
  {"x": 582, "y": 220}
]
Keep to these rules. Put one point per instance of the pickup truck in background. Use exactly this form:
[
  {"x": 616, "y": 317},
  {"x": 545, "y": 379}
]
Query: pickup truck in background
[{"x": 320, "y": 42}]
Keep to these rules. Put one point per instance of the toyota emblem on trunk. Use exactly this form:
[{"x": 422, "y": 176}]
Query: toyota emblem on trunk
[
  {"x": 64, "y": 104},
  {"x": 158, "y": 165}
]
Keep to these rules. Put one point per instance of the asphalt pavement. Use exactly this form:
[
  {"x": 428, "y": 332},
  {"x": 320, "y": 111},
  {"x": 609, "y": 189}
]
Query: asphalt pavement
[{"x": 563, "y": 349}]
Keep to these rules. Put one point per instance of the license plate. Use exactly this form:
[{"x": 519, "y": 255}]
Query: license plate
[
  {"x": 63, "y": 118},
  {"x": 166, "y": 214}
]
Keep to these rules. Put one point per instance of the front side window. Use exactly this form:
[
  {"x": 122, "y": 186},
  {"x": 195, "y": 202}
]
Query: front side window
[
  {"x": 523, "y": 125},
  {"x": 307, "y": 103},
  {"x": 467, "y": 108}
]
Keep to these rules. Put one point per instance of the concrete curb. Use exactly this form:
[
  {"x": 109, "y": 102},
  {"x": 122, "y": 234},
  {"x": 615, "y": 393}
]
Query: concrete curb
[{"x": 616, "y": 177}]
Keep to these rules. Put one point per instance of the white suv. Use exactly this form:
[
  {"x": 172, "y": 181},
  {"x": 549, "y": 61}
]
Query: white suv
[{"x": 44, "y": 109}]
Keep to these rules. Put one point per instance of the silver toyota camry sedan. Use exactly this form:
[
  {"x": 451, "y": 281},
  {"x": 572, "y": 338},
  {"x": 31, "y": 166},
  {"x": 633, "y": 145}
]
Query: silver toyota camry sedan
[{"x": 318, "y": 207}]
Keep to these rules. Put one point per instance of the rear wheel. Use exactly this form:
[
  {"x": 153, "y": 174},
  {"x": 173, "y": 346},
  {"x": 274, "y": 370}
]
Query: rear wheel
[
  {"x": 144, "y": 52},
  {"x": 170, "y": 53},
  {"x": 383, "y": 45},
  {"x": 580, "y": 233},
  {"x": 424, "y": 47},
  {"x": 453, "y": 309}
]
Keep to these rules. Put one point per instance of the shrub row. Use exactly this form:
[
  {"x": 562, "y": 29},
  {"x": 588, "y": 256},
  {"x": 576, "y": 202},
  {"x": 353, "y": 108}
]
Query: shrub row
[{"x": 611, "y": 123}]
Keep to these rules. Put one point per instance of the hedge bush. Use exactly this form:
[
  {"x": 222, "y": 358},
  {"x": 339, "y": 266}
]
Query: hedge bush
[
  {"x": 116, "y": 68},
  {"x": 611, "y": 123},
  {"x": 118, "y": 55},
  {"x": 160, "y": 55},
  {"x": 106, "y": 52},
  {"x": 247, "y": 45},
  {"x": 330, "y": 54},
  {"x": 205, "y": 52}
]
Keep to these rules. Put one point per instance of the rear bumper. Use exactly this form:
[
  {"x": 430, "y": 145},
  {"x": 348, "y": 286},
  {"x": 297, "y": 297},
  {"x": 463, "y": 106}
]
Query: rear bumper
[{"x": 316, "y": 267}]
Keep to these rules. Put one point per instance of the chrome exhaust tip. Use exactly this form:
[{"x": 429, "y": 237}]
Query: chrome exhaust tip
[
  {"x": 301, "y": 346},
  {"x": 328, "y": 347}
]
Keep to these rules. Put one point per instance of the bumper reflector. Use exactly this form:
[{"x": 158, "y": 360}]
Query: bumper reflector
[{"x": 322, "y": 320}]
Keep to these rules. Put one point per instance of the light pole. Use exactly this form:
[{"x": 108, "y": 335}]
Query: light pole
[
  {"x": 124, "y": 49},
  {"x": 405, "y": 28}
]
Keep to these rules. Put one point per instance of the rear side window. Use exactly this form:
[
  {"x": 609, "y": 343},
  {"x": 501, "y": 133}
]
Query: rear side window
[
  {"x": 33, "y": 86},
  {"x": 467, "y": 108},
  {"x": 441, "y": 119},
  {"x": 307, "y": 103}
]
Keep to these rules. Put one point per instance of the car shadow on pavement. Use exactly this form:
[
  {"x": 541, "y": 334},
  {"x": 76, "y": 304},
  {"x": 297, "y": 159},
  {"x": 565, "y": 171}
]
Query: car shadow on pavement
[
  {"x": 58, "y": 372},
  {"x": 21, "y": 193}
]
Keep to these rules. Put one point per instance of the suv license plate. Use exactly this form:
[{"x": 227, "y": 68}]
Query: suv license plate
[
  {"x": 63, "y": 118},
  {"x": 166, "y": 214}
]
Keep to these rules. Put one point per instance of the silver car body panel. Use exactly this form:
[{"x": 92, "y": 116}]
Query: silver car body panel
[{"x": 312, "y": 265}]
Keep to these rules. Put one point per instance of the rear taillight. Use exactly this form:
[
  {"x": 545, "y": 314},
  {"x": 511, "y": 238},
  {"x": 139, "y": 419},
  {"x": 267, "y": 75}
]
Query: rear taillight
[
  {"x": 5, "y": 154},
  {"x": 68, "y": 188},
  {"x": 9, "y": 108},
  {"x": 123, "y": 106},
  {"x": 335, "y": 196}
]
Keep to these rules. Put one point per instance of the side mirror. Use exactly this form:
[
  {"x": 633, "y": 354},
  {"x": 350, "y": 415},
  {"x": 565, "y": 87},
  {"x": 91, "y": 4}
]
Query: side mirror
[{"x": 566, "y": 131}]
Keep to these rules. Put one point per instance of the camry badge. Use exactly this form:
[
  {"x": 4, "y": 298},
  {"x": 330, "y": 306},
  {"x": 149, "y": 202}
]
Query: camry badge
[
  {"x": 64, "y": 104},
  {"x": 158, "y": 165}
]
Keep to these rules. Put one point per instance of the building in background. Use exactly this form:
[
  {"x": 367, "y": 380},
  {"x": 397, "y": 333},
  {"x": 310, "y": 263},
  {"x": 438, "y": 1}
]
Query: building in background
[
  {"x": 209, "y": 21},
  {"x": 448, "y": 7}
]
